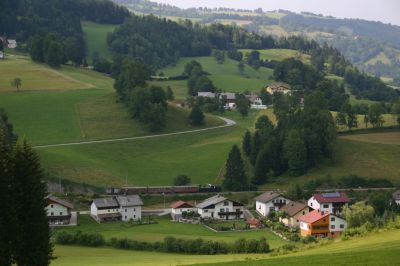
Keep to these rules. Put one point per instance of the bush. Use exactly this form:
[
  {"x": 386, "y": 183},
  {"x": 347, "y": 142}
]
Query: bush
[
  {"x": 309, "y": 239},
  {"x": 79, "y": 238}
]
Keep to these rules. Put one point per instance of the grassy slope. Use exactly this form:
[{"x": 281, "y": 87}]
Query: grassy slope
[
  {"x": 95, "y": 38},
  {"x": 226, "y": 76},
  {"x": 280, "y": 54},
  {"x": 375, "y": 249},
  {"x": 157, "y": 232}
]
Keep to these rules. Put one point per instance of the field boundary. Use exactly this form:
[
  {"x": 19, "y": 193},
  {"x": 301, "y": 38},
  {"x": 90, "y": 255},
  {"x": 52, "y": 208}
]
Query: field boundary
[{"x": 228, "y": 123}]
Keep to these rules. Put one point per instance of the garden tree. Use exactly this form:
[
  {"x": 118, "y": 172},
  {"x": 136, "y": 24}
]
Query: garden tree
[
  {"x": 197, "y": 81},
  {"x": 156, "y": 117},
  {"x": 375, "y": 115},
  {"x": 264, "y": 127},
  {"x": 242, "y": 104},
  {"x": 295, "y": 153},
  {"x": 7, "y": 129},
  {"x": 237, "y": 55},
  {"x": 358, "y": 214},
  {"x": 246, "y": 143},
  {"x": 396, "y": 111},
  {"x": 219, "y": 56},
  {"x": 380, "y": 201},
  {"x": 54, "y": 56},
  {"x": 262, "y": 167},
  {"x": 235, "y": 176},
  {"x": 36, "y": 49},
  {"x": 281, "y": 105},
  {"x": 181, "y": 180},
  {"x": 341, "y": 120},
  {"x": 253, "y": 59},
  {"x": 196, "y": 116},
  {"x": 170, "y": 94},
  {"x": 351, "y": 116},
  {"x": 102, "y": 65},
  {"x": 16, "y": 83},
  {"x": 32, "y": 236},
  {"x": 133, "y": 73},
  {"x": 241, "y": 67},
  {"x": 188, "y": 69},
  {"x": 366, "y": 120}
]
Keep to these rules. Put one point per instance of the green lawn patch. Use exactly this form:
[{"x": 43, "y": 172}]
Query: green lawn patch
[
  {"x": 280, "y": 54},
  {"x": 96, "y": 38}
]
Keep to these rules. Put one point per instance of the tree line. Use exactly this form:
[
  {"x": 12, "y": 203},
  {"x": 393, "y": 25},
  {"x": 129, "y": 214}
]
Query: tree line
[{"x": 24, "y": 229}]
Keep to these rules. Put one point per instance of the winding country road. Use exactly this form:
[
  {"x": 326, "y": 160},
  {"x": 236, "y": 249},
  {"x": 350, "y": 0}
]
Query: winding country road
[{"x": 228, "y": 123}]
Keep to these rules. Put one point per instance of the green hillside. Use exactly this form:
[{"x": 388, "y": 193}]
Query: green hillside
[
  {"x": 96, "y": 38},
  {"x": 280, "y": 54}
]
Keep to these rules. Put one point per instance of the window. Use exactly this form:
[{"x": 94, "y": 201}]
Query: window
[
  {"x": 108, "y": 210},
  {"x": 332, "y": 226},
  {"x": 226, "y": 203},
  {"x": 205, "y": 210},
  {"x": 326, "y": 206},
  {"x": 52, "y": 213},
  {"x": 51, "y": 206},
  {"x": 311, "y": 204},
  {"x": 134, "y": 216},
  {"x": 332, "y": 219},
  {"x": 237, "y": 210},
  {"x": 60, "y": 213},
  {"x": 342, "y": 226},
  {"x": 221, "y": 210},
  {"x": 125, "y": 217},
  {"x": 259, "y": 207},
  {"x": 304, "y": 212},
  {"x": 134, "y": 209},
  {"x": 126, "y": 210}
]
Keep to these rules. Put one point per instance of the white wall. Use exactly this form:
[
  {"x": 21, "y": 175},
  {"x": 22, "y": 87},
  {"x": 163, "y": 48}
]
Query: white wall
[
  {"x": 312, "y": 203},
  {"x": 55, "y": 209},
  {"x": 335, "y": 223},
  {"x": 398, "y": 202},
  {"x": 303, "y": 225},
  {"x": 213, "y": 213},
  {"x": 181, "y": 210},
  {"x": 131, "y": 213},
  {"x": 265, "y": 208}
]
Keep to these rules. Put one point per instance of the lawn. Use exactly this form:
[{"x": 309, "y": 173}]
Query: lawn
[
  {"x": 96, "y": 38},
  {"x": 165, "y": 227},
  {"x": 375, "y": 249},
  {"x": 226, "y": 76},
  {"x": 390, "y": 138},
  {"x": 35, "y": 77},
  {"x": 280, "y": 54}
]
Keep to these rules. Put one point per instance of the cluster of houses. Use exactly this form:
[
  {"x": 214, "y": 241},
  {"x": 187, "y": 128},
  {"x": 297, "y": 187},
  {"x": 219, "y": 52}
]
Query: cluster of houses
[
  {"x": 9, "y": 43},
  {"x": 320, "y": 216}
]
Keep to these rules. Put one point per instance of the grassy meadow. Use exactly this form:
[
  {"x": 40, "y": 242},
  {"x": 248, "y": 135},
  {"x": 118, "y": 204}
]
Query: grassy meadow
[
  {"x": 95, "y": 38},
  {"x": 165, "y": 227},
  {"x": 280, "y": 54}
]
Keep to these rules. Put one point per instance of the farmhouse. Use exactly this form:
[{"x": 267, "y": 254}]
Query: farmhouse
[
  {"x": 12, "y": 44},
  {"x": 321, "y": 224},
  {"x": 119, "y": 208},
  {"x": 332, "y": 202},
  {"x": 255, "y": 101},
  {"x": 293, "y": 210},
  {"x": 278, "y": 87},
  {"x": 396, "y": 197},
  {"x": 206, "y": 94},
  {"x": 58, "y": 211},
  {"x": 179, "y": 207},
  {"x": 1, "y": 55},
  {"x": 219, "y": 207},
  {"x": 270, "y": 201}
]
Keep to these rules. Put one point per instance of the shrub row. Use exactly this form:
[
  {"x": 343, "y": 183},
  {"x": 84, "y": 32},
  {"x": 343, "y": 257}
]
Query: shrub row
[{"x": 170, "y": 244}]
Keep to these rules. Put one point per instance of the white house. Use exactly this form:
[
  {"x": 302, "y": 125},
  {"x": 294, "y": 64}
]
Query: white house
[
  {"x": 58, "y": 211},
  {"x": 179, "y": 207},
  {"x": 1, "y": 55},
  {"x": 219, "y": 207},
  {"x": 337, "y": 225},
  {"x": 270, "y": 201},
  {"x": 396, "y": 197},
  {"x": 12, "y": 44},
  {"x": 332, "y": 202},
  {"x": 104, "y": 210},
  {"x": 130, "y": 207},
  {"x": 206, "y": 94}
]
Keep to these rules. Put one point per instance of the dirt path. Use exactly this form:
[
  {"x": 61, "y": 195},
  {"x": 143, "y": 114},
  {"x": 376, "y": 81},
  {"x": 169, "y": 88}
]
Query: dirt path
[{"x": 228, "y": 123}]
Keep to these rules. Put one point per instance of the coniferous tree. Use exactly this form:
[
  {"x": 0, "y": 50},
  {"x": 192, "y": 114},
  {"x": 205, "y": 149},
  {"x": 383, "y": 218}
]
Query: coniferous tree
[
  {"x": 33, "y": 247},
  {"x": 196, "y": 116},
  {"x": 262, "y": 167},
  {"x": 246, "y": 143},
  {"x": 235, "y": 176},
  {"x": 296, "y": 153},
  {"x": 256, "y": 145}
]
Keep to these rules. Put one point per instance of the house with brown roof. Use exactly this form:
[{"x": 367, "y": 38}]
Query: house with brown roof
[
  {"x": 179, "y": 207},
  {"x": 321, "y": 224},
  {"x": 332, "y": 202},
  {"x": 219, "y": 207},
  {"x": 270, "y": 201},
  {"x": 59, "y": 212},
  {"x": 293, "y": 211}
]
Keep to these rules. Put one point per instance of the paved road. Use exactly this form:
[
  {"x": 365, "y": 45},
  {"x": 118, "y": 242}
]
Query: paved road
[{"x": 228, "y": 123}]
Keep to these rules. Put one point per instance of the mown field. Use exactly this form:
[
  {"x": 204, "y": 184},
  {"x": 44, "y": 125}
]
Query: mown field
[
  {"x": 376, "y": 249},
  {"x": 165, "y": 227},
  {"x": 280, "y": 54},
  {"x": 96, "y": 39},
  {"x": 225, "y": 76}
]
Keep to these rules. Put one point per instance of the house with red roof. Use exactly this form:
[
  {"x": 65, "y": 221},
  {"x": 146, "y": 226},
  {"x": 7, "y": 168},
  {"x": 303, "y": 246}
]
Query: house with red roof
[
  {"x": 321, "y": 224},
  {"x": 179, "y": 207},
  {"x": 332, "y": 202}
]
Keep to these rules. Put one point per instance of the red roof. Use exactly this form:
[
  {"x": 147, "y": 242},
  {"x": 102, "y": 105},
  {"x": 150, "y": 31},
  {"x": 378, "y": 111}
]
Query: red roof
[
  {"x": 253, "y": 221},
  {"x": 313, "y": 216},
  {"x": 180, "y": 204},
  {"x": 331, "y": 197}
]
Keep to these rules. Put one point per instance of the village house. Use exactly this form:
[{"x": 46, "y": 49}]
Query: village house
[
  {"x": 293, "y": 211},
  {"x": 270, "y": 201},
  {"x": 396, "y": 197},
  {"x": 59, "y": 212},
  {"x": 12, "y": 44},
  {"x": 179, "y": 207},
  {"x": 278, "y": 87},
  {"x": 321, "y": 224},
  {"x": 206, "y": 94},
  {"x": 119, "y": 208},
  {"x": 255, "y": 101},
  {"x": 332, "y": 202},
  {"x": 1, "y": 55},
  {"x": 254, "y": 223},
  {"x": 219, "y": 207}
]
